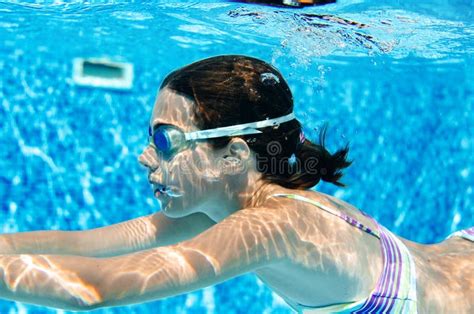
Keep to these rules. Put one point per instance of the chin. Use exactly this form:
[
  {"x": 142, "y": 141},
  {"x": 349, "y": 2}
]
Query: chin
[{"x": 173, "y": 209}]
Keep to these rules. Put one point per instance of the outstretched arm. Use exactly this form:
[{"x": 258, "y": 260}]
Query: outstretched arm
[
  {"x": 245, "y": 241},
  {"x": 126, "y": 237}
]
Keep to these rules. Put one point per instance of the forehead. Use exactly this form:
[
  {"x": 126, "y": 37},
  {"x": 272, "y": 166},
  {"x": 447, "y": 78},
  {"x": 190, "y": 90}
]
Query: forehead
[{"x": 173, "y": 108}]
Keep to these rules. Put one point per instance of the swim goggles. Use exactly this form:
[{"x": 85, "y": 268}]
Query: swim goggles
[{"x": 169, "y": 140}]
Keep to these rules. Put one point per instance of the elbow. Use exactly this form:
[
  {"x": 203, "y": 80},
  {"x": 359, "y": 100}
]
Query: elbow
[
  {"x": 87, "y": 307},
  {"x": 71, "y": 306},
  {"x": 91, "y": 307},
  {"x": 81, "y": 306},
  {"x": 87, "y": 299}
]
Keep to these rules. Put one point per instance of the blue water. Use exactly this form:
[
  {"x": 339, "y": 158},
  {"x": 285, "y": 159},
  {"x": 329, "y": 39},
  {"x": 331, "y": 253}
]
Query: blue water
[{"x": 397, "y": 85}]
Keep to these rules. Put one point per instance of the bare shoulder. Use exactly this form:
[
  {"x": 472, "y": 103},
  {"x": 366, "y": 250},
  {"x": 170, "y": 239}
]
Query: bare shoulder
[
  {"x": 324, "y": 249},
  {"x": 316, "y": 230},
  {"x": 299, "y": 220},
  {"x": 301, "y": 209}
]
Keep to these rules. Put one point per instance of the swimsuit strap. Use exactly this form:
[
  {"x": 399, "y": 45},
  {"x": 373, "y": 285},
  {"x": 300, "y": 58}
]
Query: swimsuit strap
[
  {"x": 347, "y": 218},
  {"x": 467, "y": 234}
]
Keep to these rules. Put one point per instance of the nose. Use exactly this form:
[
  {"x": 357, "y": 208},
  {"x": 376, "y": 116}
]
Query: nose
[{"x": 149, "y": 159}]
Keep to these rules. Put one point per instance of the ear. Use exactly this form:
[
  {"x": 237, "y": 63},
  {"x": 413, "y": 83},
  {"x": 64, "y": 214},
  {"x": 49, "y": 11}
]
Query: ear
[
  {"x": 237, "y": 148},
  {"x": 233, "y": 159}
]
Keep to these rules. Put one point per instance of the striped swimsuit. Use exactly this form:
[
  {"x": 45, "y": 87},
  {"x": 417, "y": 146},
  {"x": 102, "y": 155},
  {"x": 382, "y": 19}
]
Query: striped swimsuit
[
  {"x": 395, "y": 291},
  {"x": 467, "y": 234}
]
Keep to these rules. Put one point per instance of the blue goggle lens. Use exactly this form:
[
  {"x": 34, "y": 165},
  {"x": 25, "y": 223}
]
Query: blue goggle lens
[
  {"x": 161, "y": 141},
  {"x": 167, "y": 140}
]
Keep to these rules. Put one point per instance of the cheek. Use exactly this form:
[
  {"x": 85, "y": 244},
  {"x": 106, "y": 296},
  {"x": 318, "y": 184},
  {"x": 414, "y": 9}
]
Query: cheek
[
  {"x": 197, "y": 175},
  {"x": 206, "y": 166},
  {"x": 192, "y": 171}
]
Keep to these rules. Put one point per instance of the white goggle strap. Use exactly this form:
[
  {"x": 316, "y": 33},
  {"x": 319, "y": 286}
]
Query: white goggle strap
[{"x": 239, "y": 129}]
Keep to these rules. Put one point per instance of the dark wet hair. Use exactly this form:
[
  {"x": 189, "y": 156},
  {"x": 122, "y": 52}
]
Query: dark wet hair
[{"x": 235, "y": 89}]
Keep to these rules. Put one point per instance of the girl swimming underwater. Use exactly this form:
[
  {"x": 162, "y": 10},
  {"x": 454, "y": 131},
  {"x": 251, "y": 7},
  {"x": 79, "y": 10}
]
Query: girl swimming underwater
[{"x": 232, "y": 169}]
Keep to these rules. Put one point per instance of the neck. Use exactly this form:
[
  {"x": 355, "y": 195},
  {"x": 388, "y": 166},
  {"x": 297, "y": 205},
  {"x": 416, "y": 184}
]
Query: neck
[{"x": 253, "y": 194}]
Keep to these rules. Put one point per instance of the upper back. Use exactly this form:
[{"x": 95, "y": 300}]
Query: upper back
[{"x": 328, "y": 258}]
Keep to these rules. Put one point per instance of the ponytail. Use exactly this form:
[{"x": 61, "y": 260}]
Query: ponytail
[{"x": 314, "y": 163}]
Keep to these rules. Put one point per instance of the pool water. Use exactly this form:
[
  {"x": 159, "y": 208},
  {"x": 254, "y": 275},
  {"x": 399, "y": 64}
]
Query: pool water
[{"x": 392, "y": 78}]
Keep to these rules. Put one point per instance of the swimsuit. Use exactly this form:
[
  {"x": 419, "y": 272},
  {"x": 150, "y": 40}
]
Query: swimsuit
[
  {"x": 467, "y": 234},
  {"x": 395, "y": 291}
]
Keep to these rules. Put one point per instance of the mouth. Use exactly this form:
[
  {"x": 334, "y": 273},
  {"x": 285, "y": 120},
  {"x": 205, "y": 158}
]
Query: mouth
[{"x": 160, "y": 190}]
